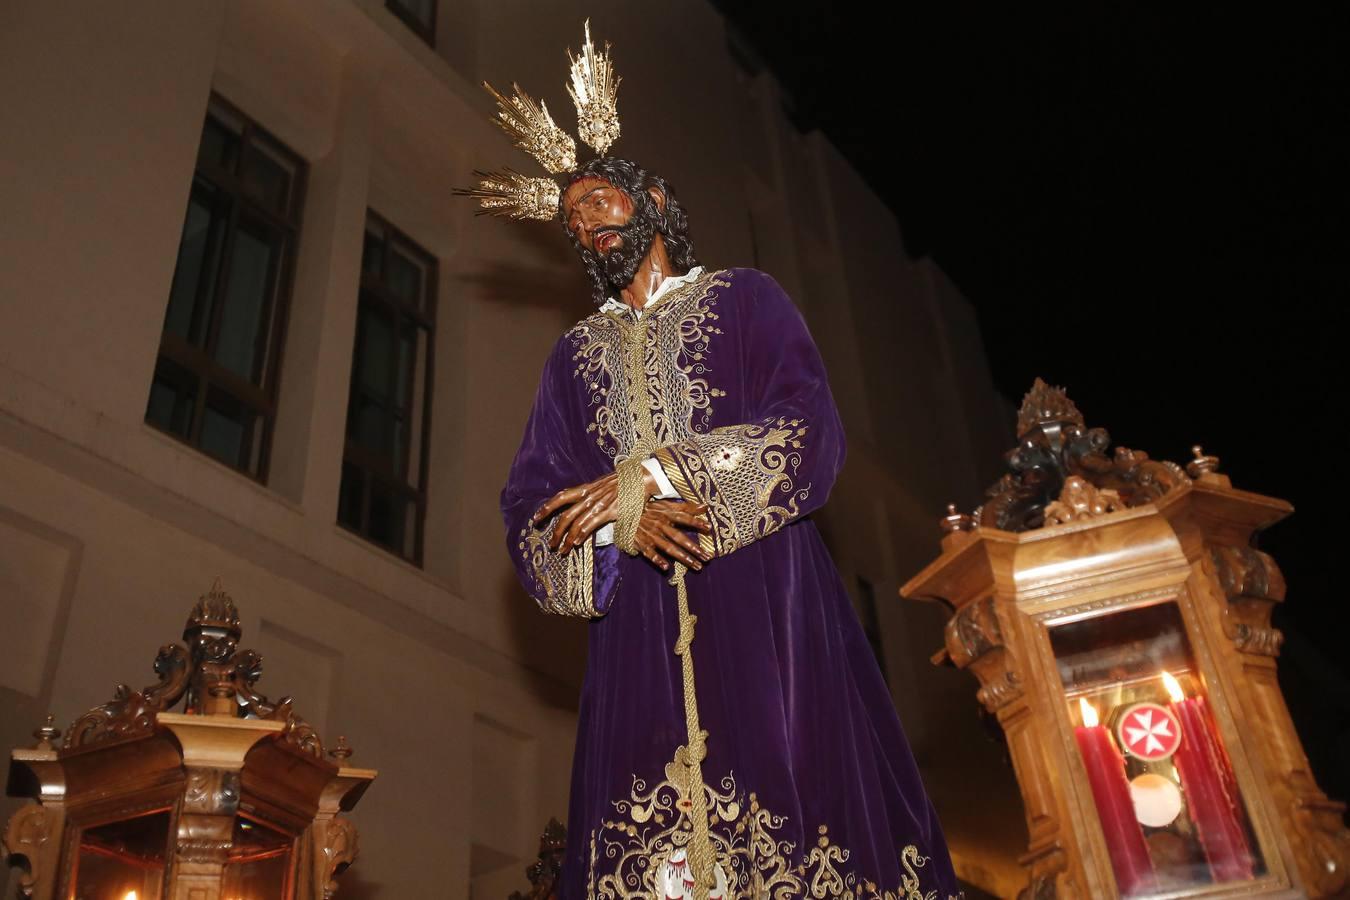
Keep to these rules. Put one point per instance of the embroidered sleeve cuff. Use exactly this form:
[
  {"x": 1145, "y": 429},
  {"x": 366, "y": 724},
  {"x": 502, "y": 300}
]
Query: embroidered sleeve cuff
[
  {"x": 579, "y": 583},
  {"x": 746, "y": 475},
  {"x": 682, "y": 481}
]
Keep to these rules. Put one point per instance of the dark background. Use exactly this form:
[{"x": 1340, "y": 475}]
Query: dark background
[{"x": 1143, "y": 203}]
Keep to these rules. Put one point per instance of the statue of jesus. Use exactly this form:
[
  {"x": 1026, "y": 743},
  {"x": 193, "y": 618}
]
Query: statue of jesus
[
  {"x": 681, "y": 436},
  {"x": 736, "y": 738}
]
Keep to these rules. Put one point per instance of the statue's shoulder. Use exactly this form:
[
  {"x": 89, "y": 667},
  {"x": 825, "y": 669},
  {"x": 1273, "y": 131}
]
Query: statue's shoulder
[
  {"x": 743, "y": 275},
  {"x": 753, "y": 287},
  {"x": 587, "y": 325},
  {"x": 733, "y": 283},
  {"x": 748, "y": 281},
  {"x": 590, "y": 331}
]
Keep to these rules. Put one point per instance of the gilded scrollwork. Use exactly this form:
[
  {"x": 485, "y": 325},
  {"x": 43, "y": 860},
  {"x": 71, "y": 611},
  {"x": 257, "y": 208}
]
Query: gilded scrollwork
[
  {"x": 747, "y": 474},
  {"x": 679, "y": 330},
  {"x": 642, "y": 852},
  {"x": 662, "y": 403},
  {"x": 565, "y": 580},
  {"x": 643, "y": 402}
]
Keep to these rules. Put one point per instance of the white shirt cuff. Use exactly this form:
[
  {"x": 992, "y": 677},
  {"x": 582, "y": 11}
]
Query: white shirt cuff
[
  {"x": 605, "y": 535},
  {"x": 666, "y": 491}
]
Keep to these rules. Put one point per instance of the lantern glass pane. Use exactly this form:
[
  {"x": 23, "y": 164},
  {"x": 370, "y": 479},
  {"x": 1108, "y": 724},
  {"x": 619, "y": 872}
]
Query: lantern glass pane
[
  {"x": 1156, "y": 767},
  {"x": 259, "y": 864},
  {"x": 123, "y": 860}
]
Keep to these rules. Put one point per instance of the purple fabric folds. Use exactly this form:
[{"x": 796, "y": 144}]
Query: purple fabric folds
[{"x": 810, "y": 782}]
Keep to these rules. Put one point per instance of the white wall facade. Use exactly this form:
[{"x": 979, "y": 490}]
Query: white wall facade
[{"x": 444, "y": 677}]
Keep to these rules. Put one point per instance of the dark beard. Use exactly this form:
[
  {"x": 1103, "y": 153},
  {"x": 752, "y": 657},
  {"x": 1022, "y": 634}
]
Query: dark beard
[{"x": 620, "y": 264}]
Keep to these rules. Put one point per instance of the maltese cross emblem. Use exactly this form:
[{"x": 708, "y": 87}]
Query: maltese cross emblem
[{"x": 1149, "y": 731}]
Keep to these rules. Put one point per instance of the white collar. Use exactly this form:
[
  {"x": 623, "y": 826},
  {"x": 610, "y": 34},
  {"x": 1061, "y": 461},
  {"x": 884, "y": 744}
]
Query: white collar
[{"x": 615, "y": 305}]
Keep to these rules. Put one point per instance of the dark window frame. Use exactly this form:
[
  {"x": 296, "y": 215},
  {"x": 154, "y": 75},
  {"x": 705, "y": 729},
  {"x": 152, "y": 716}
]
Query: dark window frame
[
  {"x": 426, "y": 31},
  {"x": 259, "y": 395},
  {"x": 374, "y": 466}
]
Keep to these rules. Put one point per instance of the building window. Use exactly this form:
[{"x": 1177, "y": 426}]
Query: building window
[
  {"x": 384, "y": 485},
  {"x": 419, "y": 15},
  {"x": 215, "y": 379}
]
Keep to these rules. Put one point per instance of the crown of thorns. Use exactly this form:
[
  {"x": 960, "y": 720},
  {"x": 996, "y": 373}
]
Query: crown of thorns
[{"x": 594, "y": 90}]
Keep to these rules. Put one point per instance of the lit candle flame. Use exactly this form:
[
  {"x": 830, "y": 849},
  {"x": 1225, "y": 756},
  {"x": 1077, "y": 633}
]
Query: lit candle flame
[
  {"x": 131, "y": 895},
  {"x": 1173, "y": 687},
  {"x": 1089, "y": 713}
]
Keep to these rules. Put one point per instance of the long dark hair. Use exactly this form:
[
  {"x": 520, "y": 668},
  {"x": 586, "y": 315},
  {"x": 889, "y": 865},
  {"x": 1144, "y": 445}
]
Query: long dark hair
[{"x": 672, "y": 223}]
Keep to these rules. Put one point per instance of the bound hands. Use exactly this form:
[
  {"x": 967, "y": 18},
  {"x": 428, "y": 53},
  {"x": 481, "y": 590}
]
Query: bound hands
[{"x": 660, "y": 533}]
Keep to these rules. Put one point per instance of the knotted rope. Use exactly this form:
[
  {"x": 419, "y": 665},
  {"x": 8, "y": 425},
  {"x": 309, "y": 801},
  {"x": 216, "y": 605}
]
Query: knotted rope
[
  {"x": 690, "y": 756},
  {"x": 632, "y": 499}
]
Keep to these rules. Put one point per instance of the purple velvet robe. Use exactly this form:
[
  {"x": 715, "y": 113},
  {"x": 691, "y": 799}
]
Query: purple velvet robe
[{"x": 810, "y": 786}]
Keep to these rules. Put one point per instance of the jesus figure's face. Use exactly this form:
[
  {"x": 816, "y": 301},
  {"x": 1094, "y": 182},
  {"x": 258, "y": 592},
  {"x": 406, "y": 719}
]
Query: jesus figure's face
[
  {"x": 609, "y": 229},
  {"x": 596, "y": 212}
]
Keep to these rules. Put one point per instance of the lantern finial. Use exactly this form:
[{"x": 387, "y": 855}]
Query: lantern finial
[{"x": 1045, "y": 404}]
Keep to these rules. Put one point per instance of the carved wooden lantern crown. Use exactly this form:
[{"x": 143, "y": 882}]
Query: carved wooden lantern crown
[
  {"x": 1117, "y": 616},
  {"x": 231, "y": 799}
]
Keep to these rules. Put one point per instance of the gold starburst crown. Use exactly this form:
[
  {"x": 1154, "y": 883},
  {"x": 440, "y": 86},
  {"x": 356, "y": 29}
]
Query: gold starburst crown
[{"x": 594, "y": 89}]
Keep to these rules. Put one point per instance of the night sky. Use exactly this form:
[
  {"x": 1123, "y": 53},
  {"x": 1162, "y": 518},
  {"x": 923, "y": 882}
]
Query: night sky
[{"x": 1143, "y": 203}]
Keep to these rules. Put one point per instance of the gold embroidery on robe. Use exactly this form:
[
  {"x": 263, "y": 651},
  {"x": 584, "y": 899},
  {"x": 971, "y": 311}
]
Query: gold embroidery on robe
[
  {"x": 644, "y": 846},
  {"x": 682, "y": 325},
  {"x": 679, "y": 398},
  {"x": 565, "y": 580},
  {"x": 745, "y": 474}
]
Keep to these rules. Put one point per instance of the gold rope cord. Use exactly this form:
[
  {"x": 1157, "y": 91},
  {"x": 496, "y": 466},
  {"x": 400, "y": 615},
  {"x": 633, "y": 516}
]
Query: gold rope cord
[
  {"x": 686, "y": 770},
  {"x": 689, "y": 758},
  {"x": 632, "y": 500}
]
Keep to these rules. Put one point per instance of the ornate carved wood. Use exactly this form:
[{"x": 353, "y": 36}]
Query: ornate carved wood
[
  {"x": 543, "y": 873},
  {"x": 232, "y": 751},
  {"x": 27, "y": 843},
  {"x": 1054, "y": 445},
  {"x": 132, "y": 713},
  {"x": 1246, "y": 584},
  {"x": 1073, "y": 531}
]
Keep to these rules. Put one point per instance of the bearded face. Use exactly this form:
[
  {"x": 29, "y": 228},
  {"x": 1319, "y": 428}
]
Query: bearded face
[
  {"x": 622, "y": 248},
  {"x": 612, "y": 211},
  {"x": 612, "y": 230}
]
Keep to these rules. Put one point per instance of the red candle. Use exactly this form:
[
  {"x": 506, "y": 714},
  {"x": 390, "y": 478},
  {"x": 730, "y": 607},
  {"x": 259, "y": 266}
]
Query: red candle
[
  {"x": 1210, "y": 788},
  {"x": 1106, "y": 774}
]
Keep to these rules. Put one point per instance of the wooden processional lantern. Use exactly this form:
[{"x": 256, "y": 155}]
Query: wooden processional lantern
[
  {"x": 1117, "y": 616},
  {"x": 231, "y": 799}
]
